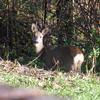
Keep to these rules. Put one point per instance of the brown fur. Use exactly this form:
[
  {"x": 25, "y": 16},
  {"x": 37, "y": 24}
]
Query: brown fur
[
  {"x": 68, "y": 58},
  {"x": 61, "y": 57}
]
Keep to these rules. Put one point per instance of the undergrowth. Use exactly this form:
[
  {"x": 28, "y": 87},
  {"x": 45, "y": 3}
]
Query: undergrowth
[{"x": 79, "y": 87}]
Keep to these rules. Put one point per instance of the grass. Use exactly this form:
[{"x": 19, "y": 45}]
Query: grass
[{"x": 85, "y": 87}]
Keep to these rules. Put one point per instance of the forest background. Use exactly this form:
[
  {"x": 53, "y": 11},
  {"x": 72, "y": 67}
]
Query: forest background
[{"x": 71, "y": 22}]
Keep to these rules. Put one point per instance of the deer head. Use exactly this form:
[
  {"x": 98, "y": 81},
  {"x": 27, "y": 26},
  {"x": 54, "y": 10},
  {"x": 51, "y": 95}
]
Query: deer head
[{"x": 38, "y": 37}]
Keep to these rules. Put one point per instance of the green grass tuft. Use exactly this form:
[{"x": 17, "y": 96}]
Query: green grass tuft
[{"x": 75, "y": 86}]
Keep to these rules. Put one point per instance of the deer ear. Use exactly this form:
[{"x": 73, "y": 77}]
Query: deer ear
[
  {"x": 34, "y": 28},
  {"x": 45, "y": 31}
]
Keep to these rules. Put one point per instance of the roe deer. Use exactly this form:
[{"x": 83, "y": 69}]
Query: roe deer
[{"x": 70, "y": 58}]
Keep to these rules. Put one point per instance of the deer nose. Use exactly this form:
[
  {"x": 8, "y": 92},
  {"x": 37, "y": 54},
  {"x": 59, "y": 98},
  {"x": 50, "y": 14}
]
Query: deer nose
[{"x": 34, "y": 40}]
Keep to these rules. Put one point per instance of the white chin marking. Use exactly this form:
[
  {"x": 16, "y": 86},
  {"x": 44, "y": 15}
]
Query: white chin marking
[{"x": 39, "y": 47}]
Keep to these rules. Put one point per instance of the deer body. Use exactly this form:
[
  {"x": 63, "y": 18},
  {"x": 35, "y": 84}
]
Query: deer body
[{"x": 69, "y": 58}]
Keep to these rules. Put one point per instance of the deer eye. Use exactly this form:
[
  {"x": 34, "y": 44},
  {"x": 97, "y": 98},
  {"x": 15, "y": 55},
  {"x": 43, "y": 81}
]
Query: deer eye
[{"x": 40, "y": 36}]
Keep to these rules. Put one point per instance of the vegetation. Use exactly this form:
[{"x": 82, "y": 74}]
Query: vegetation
[
  {"x": 74, "y": 85},
  {"x": 71, "y": 22},
  {"x": 79, "y": 87}
]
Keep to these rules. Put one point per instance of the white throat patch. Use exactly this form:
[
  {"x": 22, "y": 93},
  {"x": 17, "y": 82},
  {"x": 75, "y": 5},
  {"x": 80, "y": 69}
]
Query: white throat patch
[
  {"x": 39, "y": 44},
  {"x": 39, "y": 47}
]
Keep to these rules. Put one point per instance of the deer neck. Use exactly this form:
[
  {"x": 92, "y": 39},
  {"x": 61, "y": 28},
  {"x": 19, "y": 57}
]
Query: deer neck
[
  {"x": 44, "y": 51},
  {"x": 39, "y": 47}
]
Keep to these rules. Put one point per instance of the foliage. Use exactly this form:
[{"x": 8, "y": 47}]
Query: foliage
[
  {"x": 79, "y": 87},
  {"x": 70, "y": 23}
]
